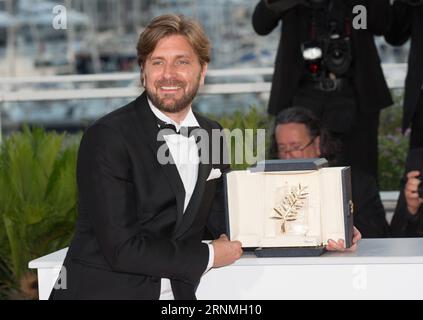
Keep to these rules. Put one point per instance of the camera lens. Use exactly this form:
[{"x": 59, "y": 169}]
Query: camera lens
[{"x": 338, "y": 56}]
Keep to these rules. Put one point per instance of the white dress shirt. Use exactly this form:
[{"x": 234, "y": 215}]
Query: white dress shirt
[{"x": 184, "y": 152}]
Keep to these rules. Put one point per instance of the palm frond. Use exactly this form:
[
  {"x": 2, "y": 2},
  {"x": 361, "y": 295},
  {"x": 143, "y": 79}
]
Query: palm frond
[
  {"x": 38, "y": 197},
  {"x": 290, "y": 206}
]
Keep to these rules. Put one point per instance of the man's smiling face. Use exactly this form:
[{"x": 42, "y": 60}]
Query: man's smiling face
[{"x": 172, "y": 74}]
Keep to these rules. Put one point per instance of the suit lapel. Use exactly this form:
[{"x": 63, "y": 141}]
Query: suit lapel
[
  {"x": 197, "y": 196},
  {"x": 149, "y": 127}
]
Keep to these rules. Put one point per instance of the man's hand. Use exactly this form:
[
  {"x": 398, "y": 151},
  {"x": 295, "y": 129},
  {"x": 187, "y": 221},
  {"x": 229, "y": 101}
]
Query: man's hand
[
  {"x": 225, "y": 252},
  {"x": 340, "y": 245},
  {"x": 411, "y": 192}
]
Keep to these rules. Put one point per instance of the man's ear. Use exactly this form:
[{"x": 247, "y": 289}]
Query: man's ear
[
  {"x": 203, "y": 73},
  {"x": 142, "y": 79},
  {"x": 316, "y": 146},
  {"x": 142, "y": 76}
]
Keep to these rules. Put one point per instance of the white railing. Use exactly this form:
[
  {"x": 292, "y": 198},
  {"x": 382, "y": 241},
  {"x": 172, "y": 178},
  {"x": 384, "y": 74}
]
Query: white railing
[
  {"x": 249, "y": 80},
  {"x": 395, "y": 75},
  {"x": 125, "y": 76}
]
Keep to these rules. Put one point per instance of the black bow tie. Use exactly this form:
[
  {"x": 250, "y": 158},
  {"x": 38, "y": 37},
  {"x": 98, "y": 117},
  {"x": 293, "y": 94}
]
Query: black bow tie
[{"x": 185, "y": 131}]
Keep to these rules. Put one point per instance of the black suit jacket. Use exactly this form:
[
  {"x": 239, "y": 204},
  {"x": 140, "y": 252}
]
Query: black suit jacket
[
  {"x": 372, "y": 90},
  {"x": 369, "y": 213},
  {"x": 131, "y": 229},
  {"x": 407, "y": 22}
]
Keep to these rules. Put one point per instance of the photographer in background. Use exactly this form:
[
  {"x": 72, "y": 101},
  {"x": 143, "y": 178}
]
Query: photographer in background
[
  {"x": 327, "y": 66},
  {"x": 408, "y": 217},
  {"x": 298, "y": 134},
  {"x": 407, "y": 23}
]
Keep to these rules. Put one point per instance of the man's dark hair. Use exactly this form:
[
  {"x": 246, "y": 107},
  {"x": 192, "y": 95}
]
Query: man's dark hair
[
  {"x": 168, "y": 25},
  {"x": 329, "y": 146}
]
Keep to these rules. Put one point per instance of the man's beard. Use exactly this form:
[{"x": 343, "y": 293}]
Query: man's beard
[{"x": 176, "y": 105}]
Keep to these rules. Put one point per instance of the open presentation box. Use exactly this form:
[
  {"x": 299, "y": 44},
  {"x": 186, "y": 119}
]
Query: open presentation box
[{"x": 289, "y": 207}]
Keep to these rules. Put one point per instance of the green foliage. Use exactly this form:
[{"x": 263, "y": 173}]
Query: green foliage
[
  {"x": 38, "y": 199},
  {"x": 393, "y": 145},
  {"x": 391, "y": 118},
  {"x": 255, "y": 119}
]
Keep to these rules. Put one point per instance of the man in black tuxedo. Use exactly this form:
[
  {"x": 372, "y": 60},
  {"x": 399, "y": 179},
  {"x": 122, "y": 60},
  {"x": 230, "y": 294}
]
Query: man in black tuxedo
[
  {"x": 347, "y": 96},
  {"x": 407, "y": 23},
  {"x": 146, "y": 195}
]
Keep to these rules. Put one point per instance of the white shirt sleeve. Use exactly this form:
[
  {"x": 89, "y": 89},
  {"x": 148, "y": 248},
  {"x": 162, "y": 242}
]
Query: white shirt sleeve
[{"x": 211, "y": 258}]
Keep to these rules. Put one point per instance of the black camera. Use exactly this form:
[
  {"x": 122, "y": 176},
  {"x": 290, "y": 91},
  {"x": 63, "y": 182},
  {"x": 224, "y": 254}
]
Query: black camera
[
  {"x": 330, "y": 52},
  {"x": 413, "y": 3},
  {"x": 337, "y": 54}
]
